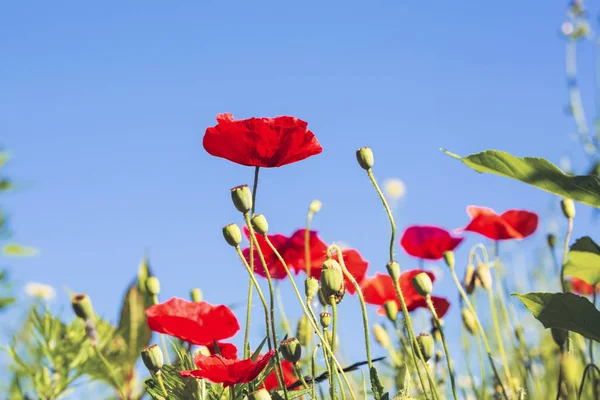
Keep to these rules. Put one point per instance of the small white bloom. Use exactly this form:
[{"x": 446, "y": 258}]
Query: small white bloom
[
  {"x": 394, "y": 188},
  {"x": 40, "y": 290},
  {"x": 567, "y": 28}
]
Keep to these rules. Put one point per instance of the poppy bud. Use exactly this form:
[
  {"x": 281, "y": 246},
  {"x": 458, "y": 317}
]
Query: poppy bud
[
  {"x": 559, "y": 336},
  {"x": 153, "y": 286},
  {"x": 291, "y": 350},
  {"x": 470, "y": 279},
  {"x": 242, "y": 198},
  {"x": 485, "y": 276},
  {"x": 152, "y": 357},
  {"x": 332, "y": 280},
  {"x": 315, "y": 206},
  {"x": 365, "y": 159},
  {"x": 260, "y": 394},
  {"x": 436, "y": 330},
  {"x": 325, "y": 319},
  {"x": 381, "y": 335},
  {"x": 393, "y": 269},
  {"x": 311, "y": 288},
  {"x": 449, "y": 258},
  {"x": 391, "y": 310},
  {"x": 425, "y": 343},
  {"x": 260, "y": 225},
  {"x": 568, "y": 208},
  {"x": 232, "y": 235},
  {"x": 551, "y": 239},
  {"x": 82, "y": 306},
  {"x": 303, "y": 330},
  {"x": 469, "y": 321},
  {"x": 569, "y": 369},
  {"x": 196, "y": 295},
  {"x": 143, "y": 274},
  {"x": 422, "y": 284},
  {"x": 439, "y": 356}
]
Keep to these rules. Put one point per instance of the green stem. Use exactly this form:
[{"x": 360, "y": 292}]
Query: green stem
[
  {"x": 446, "y": 351},
  {"x": 161, "y": 383},
  {"x": 110, "y": 370},
  {"x": 250, "y": 291},
  {"x": 298, "y": 372},
  {"x": 565, "y": 256},
  {"x": 591, "y": 369},
  {"x": 313, "y": 370},
  {"x": 499, "y": 339},
  {"x": 232, "y": 392},
  {"x": 284, "y": 320},
  {"x": 407, "y": 348},
  {"x": 333, "y": 333},
  {"x": 254, "y": 187},
  {"x": 481, "y": 367},
  {"x": 162, "y": 337},
  {"x": 387, "y": 210}
]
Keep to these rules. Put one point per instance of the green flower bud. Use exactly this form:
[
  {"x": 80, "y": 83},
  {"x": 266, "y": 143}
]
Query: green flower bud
[
  {"x": 559, "y": 336},
  {"x": 315, "y": 206},
  {"x": 381, "y": 336},
  {"x": 568, "y": 208},
  {"x": 242, "y": 198},
  {"x": 422, "y": 284},
  {"x": 469, "y": 321},
  {"x": 570, "y": 371},
  {"x": 304, "y": 330},
  {"x": 551, "y": 239},
  {"x": 391, "y": 310},
  {"x": 143, "y": 274},
  {"x": 325, "y": 318},
  {"x": 152, "y": 356},
  {"x": 449, "y": 258},
  {"x": 436, "y": 331},
  {"x": 439, "y": 356},
  {"x": 393, "y": 269},
  {"x": 311, "y": 288},
  {"x": 260, "y": 394},
  {"x": 425, "y": 343},
  {"x": 365, "y": 159},
  {"x": 470, "y": 281},
  {"x": 153, "y": 286},
  {"x": 485, "y": 276},
  {"x": 260, "y": 225},
  {"x": 232, "y": 235},
  {"x": 82, "y": 306},
  {"x": 196, "y": 295},
  {"x": 291, "y": 350},
  {"x": 332, "y": 281}
]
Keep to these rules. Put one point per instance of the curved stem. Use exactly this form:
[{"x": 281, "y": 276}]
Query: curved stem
[
  {"x": 387, "y": 210},
  {"x": 313, "y": 370},
  {"x": 298, "y": 372},
  {"x": 585, "y": 373},
  {"x": 161, "y": 383}
]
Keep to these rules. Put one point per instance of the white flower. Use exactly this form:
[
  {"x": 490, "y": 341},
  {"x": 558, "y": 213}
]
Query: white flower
[
  {"x": 394, "y": 188},
  {"x": 567, "y": 28},
  {"x": 40, "y": 290}
]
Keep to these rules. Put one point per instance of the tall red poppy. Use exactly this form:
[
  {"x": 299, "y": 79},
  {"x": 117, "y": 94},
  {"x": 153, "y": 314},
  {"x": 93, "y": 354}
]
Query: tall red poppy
[
  {"x": 261, "y": 142},
  {"x": 379, "y": 289},
  {"x": 512, "y": 224},
  {"x": 581, "y": 287},
  {"x": 428, "y": 242},
  {"x": 289, "y": 377},
  {"x": 227, "y": 350},
  {"x": 198, "y": 323},
  {"x": 219, "y": 369},
  {"x": 281, "y": 243}
]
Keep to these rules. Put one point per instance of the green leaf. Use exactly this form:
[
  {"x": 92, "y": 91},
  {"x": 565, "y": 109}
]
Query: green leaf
[
  {"x": 379, "y": 392},
  {"x": 4, "y": 157},
  {"x": 536, "y": 172},
  {"x": 132, "y": 324},
  {"x": 584, "y": 261},
  {"x": 6, "y": 301},
  {"x": 564, "y": 310},
  {"x": 17, "y": 250}
]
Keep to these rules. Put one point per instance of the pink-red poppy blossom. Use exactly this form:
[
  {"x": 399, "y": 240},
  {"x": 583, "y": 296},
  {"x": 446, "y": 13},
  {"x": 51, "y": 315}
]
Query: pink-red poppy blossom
[
  {"x": 579, "y": 286},
  {"x": 428, "y": 242},
  {"x": 261, "y": 142},
  {"x": 281, "y": 243},
  {"x": 512, "y": 224},
  {"x": 227, "y": 350},
  {"x": 289, "y": 377}
]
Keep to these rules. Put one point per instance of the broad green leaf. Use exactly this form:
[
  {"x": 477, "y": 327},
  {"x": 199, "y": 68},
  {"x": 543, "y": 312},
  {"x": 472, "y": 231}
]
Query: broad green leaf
[
  {"x": 584, "y": 261},
  {"x": 17, "y": 250},
  {"x": 564, "y": 310},
  {"x": 132, "y": 324},
  {"x": 536, "y": 172}
]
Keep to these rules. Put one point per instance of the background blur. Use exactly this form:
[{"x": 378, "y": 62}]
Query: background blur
[{"x": 104, "y": 108}]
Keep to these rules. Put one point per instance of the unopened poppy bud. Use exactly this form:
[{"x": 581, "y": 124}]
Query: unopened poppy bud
[
  {"x": 559, "y": 336},
  {"x": 470, "y": 279},
  {"x": 196, "y": 295},
  {"x": 332, "y": 278},
  {"x": 568, "y": 208},
  {"x": 311, "y": 288},
  {"x": 436, "y": 331},
  {"x": 551, "y": 239},
  {"x": 260, "y": 394},
  {"x": 303, "y": 330},
  {"x": 365, "y": 158},
  {"x": 325, "y": 318},
  {"x": 438, "y": 356},
  {"x": 232, "y": 235},
  {"x": 485, "y": 276},
  {"x": 152, "y": 357},
  {"x": 291, "y": 350},
  {"x": 381, "y": 335},
  {"x": 469, "y": 321},
  {"x": 391, "y": 310},
  {"x": 449, "y": 258},
  {"x": 425, "y": 343},
  {"x": 422, "y": 284},
  {"x": 315, "y": 206},
  {"x": 143, "y": 274},
  {"x": 82, "y": 306},
  {"x": 393, "y": 269},
  {"x": 153, "y": 286},
  {"x": 260, "y": 225},
  {"x": 242, "y": 198},
  {"x": 569, "y": 368}
]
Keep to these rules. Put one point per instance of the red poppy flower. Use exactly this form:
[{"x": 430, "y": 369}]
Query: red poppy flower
[
  {"x": 261, "y": 142},
  {"x": 380, "y": 288},
  {"x": 227, "y": 350},
  {"x": 289, "y": 377},
  {"x": 282, "y": 243},
  {"x": 581, "y": 287},
  {"x": 428, "y": 242},
  {"x": 512, "y": 224},
  {"x": 219, "y": 369},
  {"x": 196, "y": 323}
]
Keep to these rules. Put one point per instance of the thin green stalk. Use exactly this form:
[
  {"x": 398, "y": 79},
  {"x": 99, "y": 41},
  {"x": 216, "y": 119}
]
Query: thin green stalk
[
  {"x": 445, "y": 345},
  {"x": 407, "y": 348},
  {"x": 307, "y": 260},
  {"x": 565, "y": 256},
  {"x": 249, "y": 303},
  {"x": 465, "y": 345},
  {"x": 161, "y": 383},
  {"x": 387, "y": 210},
  {"x": 298, "y": 372},
  {"x": 284, "y": 320},
  {"x": 232, "y": 392},
  {"x": 110, "y": 370},
  {"x": 481, "y": 366},
  {"x": 333, "y": 333},
  {"x": 591, "y": 369},
  {"x": 331, "y": 375},
  {"x": 313, "y": 370},
  {"x": 499, "y": 340}
]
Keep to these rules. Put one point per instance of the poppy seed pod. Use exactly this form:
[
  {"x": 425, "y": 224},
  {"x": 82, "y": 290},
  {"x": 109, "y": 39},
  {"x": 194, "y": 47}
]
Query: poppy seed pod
[
  {"x": 311, "y": 288},
  {"x": 153, "y": 286},
  {"x": 422, "y": 284},
  {"x": 325, "y": 319},
  {"x": 449, "y": 258},
  {"x": 393, "y": 269},
  {"x": 291, "y": 350},
  {"x": 391, "y": 310},
  {"x": 303, "y": 330},
  {"x": 260, "y": 225},
  {"x": 82, "y": 306},
  {"x": 152, "y": 357},
  {"x": 485, "y": 276},
  {"x": 470, "y": 280},
  {"x": 365, "y": 158},
  {"x": 261, "y": 394},
  {"x": 425, "y": 343},
  {"x": 568, "y": 208},
  {"x": 381, "y": 335},
  {"x": 469, "y": 321},
  {"x": 232, "y": 235},
  {"x": 315, "y": 206},
  {"x": 551, "y": 239},
  {"x": 196, "y": 295},
  {"x": 242, "y": 198},
  {"x": 559, "y": 336}
]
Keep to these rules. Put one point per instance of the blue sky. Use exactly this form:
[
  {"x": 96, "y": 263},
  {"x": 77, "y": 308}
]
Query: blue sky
[{"x": 104, "y": 107}]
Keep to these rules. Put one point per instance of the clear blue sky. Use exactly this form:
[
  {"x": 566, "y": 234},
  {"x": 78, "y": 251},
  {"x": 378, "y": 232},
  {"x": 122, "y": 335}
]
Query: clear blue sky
[{"x": 104, "y": 107}]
